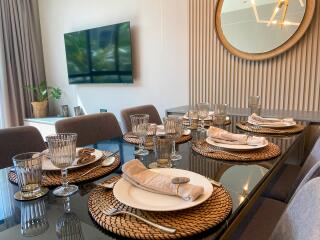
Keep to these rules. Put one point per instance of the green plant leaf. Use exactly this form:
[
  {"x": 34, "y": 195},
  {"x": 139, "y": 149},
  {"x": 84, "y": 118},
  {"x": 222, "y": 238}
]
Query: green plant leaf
[{"x": 42, "y": 92}]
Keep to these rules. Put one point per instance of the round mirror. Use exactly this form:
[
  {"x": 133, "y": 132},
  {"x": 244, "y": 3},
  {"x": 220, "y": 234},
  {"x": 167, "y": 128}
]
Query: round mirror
[{"x": 260, "y": 29}]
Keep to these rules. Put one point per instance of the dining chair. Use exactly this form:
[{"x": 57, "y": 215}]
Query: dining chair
[
  {"x": 18, "y": 140},
  {"x": 313, "y": 173},
  {"x": 264, "y": 216},
  {"x": 90, "y": 128},
  {"x": 290, "y": 176},
  {"x": 301, "y": 219},
  {"x": 154, "y": 116}
]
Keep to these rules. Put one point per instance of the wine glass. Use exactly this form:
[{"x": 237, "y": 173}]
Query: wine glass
[
  {"x": 62, "y": 152},
  {"x": 193, "y": 117},
  {"x": 68, "y": 226},
  {"x": 173, "y": 127},
  {"x": 203, "y": 112},
  {"x": 140, "y": 123}
]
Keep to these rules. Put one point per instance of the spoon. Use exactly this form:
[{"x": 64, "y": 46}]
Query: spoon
[
  {"x": 107, "y": 185},
  {"x": 105, "y": 163}
]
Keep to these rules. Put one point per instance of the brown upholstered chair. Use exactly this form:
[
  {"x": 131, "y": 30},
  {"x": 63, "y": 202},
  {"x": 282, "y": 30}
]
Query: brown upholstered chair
[
  {"x": 18, "y": 140},
  {"x": 154, "y": 116},
  {"x": 290, "y": 176},
  {"x": 91, "y": 128}
]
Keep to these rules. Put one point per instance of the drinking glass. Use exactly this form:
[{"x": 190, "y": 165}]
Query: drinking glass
[
  {"x": 220, "y": 113},
  {"x": 62, "y": 152},
  {"x": 254, "y": 105},
  {"x": 193, "y": 117},
  {"x": 163, "y": 151},
  {"x": 139, "y": 123},
  {"x": 28, "y": 167},
  {"x": 203, "y": 112},
  {"x": 173, "y": 127},
  {"x": 34, "y": 218}
]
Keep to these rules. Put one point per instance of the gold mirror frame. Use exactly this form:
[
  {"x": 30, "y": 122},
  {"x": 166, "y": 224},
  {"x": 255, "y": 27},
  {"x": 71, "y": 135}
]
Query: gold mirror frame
[{"x": 310, "y": 7}]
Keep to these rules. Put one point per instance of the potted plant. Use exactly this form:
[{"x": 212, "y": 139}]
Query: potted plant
[{"x": 42, "y": 93}]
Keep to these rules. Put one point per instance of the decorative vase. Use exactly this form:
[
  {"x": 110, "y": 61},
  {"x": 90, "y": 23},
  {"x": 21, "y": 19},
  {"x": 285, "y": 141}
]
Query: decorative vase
[{"x": 40, "y": 109}]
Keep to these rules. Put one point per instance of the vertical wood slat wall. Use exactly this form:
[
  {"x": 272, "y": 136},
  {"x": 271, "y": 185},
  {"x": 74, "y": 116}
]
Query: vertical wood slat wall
[{"x": 290, "y": 81}]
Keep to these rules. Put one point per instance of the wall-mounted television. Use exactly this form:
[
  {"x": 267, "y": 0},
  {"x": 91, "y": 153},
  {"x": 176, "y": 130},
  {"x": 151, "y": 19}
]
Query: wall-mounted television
[{"x": 100, "y": 55}]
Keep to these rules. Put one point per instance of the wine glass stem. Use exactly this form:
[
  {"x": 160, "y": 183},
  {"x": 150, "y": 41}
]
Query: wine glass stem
[
  {"x": 173, "y": 147},
  {"x": 202, "y": 124},
  {"x": 141, "y": 146},
  {"x": 64, "y": 174},
  {"x": 66, "y": 205}
]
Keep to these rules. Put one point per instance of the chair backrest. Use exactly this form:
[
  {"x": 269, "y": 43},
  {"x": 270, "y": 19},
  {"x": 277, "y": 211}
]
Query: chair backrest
[
  {"x": 154, "y": 116},
  {"x": 18, "y": 140},
  {"x": 91, "y": 128},
  {"x": 301, "y": 219},
  {"x": 312, "y": 159},
  {"x": 313, "y": 173}
]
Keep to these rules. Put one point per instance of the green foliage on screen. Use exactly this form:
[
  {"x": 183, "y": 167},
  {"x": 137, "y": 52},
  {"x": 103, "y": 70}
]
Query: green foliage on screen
[{"x": 100, "y": 55}]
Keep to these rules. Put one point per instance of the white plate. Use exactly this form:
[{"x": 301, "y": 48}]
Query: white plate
[
  {"x": 272, "y": 125},
  {"x": 236, "y": 147},
  {"x": 48, "y": 166},
  {"x": 160, "y": 131},
  {"x": 135, "y": 197},
  {"x": 209, "y": 118}
]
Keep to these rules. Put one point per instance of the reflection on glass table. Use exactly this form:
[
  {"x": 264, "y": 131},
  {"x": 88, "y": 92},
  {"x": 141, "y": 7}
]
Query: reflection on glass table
[
  {"x": 68, "y": 225},
  {"x": 34, "y": 217}
]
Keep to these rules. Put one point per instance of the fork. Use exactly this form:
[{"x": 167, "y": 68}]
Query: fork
[
  {"x": 115, "y": 211},
  {"x": 213, "y": 149}
]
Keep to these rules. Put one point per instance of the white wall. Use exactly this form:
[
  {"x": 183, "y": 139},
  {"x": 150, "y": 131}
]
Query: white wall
[{"x": 159, "y": 35}]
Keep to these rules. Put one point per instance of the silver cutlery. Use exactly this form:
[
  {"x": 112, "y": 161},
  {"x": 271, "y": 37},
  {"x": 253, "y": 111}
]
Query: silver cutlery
[
  {"x": 105, "y": 163},
  {"x": 215, "y": 183},
  {"x": 213, "y": 149},
  {"x": 114, "y": 211},
  {"x": 258, "y": 127},
  {"x": 108, "y": 185}
]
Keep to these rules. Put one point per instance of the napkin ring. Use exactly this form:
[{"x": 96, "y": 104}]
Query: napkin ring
[{"x": 178, "y": 185}]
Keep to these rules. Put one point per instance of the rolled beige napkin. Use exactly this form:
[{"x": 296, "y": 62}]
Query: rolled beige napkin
[
  {"x": 137, "y": 174},
  {"x": 255, "y": 119},
  {"x": 222, "y": 136}
]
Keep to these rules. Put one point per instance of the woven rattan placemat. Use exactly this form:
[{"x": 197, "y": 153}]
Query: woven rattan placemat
[
  {"x": 130, "y": 138},
  {"x": 270, "y": 151},
  {"x": 263, "y": 130},
  {"x": 53, "y": 178},
  {"x": 188, "y": 222}
]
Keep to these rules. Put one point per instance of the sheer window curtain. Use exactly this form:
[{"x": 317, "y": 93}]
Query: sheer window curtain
[
  {"x": 21, "y": 58},
  {"x": 3, "y": 98}
]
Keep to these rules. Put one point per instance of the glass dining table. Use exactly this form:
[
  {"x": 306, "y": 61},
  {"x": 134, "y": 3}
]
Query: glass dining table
[{"x": 244, "y": 181}]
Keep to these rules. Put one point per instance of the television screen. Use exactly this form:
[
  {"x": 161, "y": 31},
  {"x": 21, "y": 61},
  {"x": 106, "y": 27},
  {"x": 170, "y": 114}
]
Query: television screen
[{"x": 100, "y": 55}]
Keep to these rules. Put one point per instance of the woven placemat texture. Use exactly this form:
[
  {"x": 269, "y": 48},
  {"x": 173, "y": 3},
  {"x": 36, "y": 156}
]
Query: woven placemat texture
[
  {"x": 264, "y": 130},
  {"x": 53, "y": 178},
  {"x": 188, "y": 222},
  {"x": 270, "y": 151},
  {"x": 130, "y": 138}
]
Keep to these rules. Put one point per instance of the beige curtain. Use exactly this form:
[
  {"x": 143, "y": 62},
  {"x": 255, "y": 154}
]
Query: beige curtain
[{"x": 22, "y": 57}]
